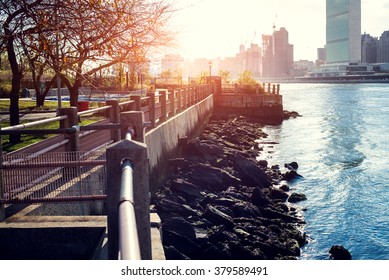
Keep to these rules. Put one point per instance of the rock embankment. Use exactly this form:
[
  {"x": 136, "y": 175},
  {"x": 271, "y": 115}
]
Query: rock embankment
[{"x": 221, "y": 203}]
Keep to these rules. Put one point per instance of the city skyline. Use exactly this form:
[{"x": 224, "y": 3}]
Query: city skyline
[{"x": 216, "y": 28}]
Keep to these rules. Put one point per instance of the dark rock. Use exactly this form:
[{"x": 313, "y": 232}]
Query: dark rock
[
  {"x": 185, "y": 188},
  {"x": 290, "y": 115},
  {"x": 298, "y": 235},
  {"x": 221, "y": 203},
  {"x": 217, "y": 217},
  {"x": 263, "y": 163},
  {"x": 285, "y": 188},
  {"x": 245, "y": 209},
  {"x": 271, "y": 214},
  {"x": 292, "y": 166},
  {"x": 278, "y": 194},
  {"x": 296, "y": 197},
  {"x": 293, "y": 247},
  {"x": 240, "y": 252},
  {"x": 169, "y": 206},
  {"x": 226, "y": 210},
  {"x": 224, "y": 201},
  {"x": 181, "y": 243},
  {"x": 180, "y": 226},
  {"x": 281, "y": 207},
  {"x": 211, "y": 178},
  {"x": 338, "y": 252},
  {"x": 209, "y": 149},
  {"x": 221, "y": 234},
  {"x": 212, "y": 253},
  {"x": 259, "y": 198},
  {"x": 291, "y": 175},
  {"x": 179, "y": 163},
  {"x": 233, "y": 192},
  {"x": 209, "y": 198},
  {"x": 251, "y": 173},
  {"x": 171, "y": 253}
]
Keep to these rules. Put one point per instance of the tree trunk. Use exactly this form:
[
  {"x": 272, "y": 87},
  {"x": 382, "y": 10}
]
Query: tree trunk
[
  {"x": 41, "y": 95},
  {"x": 74, "y": 94},
  {"x": 14, "y": 94}
]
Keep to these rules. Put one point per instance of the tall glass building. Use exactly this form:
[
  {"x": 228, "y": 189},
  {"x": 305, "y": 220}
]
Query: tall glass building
[{"x": 343, "y": 31}]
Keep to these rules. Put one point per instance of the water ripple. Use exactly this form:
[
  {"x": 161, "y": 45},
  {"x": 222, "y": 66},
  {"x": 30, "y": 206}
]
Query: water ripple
[{"x": 343, "y": 153}]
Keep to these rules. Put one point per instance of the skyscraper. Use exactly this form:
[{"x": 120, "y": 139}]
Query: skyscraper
[
  {"x": 343, "y": 32},
  {"x": 277, "y": 58}
]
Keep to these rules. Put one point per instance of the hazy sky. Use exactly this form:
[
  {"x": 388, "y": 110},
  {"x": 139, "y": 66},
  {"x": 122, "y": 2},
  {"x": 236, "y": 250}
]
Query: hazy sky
[{"x": 216, "y": 28}]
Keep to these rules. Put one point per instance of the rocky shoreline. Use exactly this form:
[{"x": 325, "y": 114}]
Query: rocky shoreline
[{"x": 222, "y": 203}]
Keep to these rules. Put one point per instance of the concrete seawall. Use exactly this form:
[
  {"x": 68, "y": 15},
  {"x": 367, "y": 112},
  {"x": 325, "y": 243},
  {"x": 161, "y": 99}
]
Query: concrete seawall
[
  {"x": 162, "y": 141},
  {"x": 262, "y": 106}
]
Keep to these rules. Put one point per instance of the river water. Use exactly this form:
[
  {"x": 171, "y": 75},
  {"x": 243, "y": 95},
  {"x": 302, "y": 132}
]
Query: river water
[{"x": 341, "y": 144}]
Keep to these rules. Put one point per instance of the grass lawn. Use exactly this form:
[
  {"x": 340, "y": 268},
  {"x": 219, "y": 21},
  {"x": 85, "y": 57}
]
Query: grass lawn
[
  {"x": 25, "y": 105},
  {"x": 31, "y": 105}
]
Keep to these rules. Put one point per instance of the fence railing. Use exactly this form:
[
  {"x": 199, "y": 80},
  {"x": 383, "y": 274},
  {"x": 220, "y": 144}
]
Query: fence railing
[
  {"x": 53, "y": 177},
  {"x": 265, "y": 88},
  {"x": 157, "y": 106}
]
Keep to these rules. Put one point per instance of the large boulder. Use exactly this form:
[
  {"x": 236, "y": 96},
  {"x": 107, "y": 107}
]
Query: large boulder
[
  {"x": 217, "y": 217},
  {"x": 259, "y": 198},
  {"x": 296, "y": 197},
  {"x": 245, "y": 209},
  {"x": 211, "y": 178},
  {"x": 278, "y": 194},
  {"x": 169, "y": 206},
  {"x": 185, "y": 188},
  {"x": 338, "y": 252},
  {"x": 251, "y": 173},
  {"x": 180, "y": 226}
]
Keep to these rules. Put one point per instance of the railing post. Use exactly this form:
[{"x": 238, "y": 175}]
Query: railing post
[
  {"x": 2, "y": 207},
  {"x": 137, "y": 153},
  {"x": 190, "y": 96},
  {"x": 179, "y": 97},
  {"x": 274, "y": 89},
  {"x": 268, "y": 88},
  {"x": 133, "y": 120},
  {"x": 184, "y": 98},
  {"x": 71, "y": 120},
  {"x": 114, "y": 117},
  {"x": 137, "y": 99},
  {"x": 172, "y": 98},
  {"x": 164, "y": 105},
  {"x": 151, "y": 96}
]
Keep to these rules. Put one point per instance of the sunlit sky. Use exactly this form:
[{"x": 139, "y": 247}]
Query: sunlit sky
[{"x": 216, "y": 28}]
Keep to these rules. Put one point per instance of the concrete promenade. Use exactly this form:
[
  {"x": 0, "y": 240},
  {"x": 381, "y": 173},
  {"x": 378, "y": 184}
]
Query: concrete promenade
[{"x": 85, "y": 236}]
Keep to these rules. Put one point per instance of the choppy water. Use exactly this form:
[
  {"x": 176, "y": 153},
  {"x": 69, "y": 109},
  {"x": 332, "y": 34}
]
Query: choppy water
[{"x": 341, "y": 143}]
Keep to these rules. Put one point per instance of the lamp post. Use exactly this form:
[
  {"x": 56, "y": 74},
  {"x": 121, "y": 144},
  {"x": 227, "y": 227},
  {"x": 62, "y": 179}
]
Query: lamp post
[
  {"x": 210, "y": 69},
  {"x": 59, "y": 98},
  {"x": 141, "y": 80},
  {"x": 127, "y": 78}
]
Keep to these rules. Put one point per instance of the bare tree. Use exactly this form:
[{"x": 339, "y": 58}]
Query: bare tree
[
  {"x": 13, "y": 23},
  {"x": 92, "y": 35},
  {"x": 78, "y": 38}
]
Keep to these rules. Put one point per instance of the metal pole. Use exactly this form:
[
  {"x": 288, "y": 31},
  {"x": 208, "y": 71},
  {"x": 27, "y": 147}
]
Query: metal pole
[
  {"x": 129, "y": 248},
  {"x": 2, "y": 208},
  {"x": 57, "y": 54}
]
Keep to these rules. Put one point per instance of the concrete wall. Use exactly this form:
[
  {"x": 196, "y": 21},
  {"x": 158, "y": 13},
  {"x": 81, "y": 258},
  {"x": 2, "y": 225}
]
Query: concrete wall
[
  {"x": 162, "y": 141},
  {"x": 263, "y": 106}
]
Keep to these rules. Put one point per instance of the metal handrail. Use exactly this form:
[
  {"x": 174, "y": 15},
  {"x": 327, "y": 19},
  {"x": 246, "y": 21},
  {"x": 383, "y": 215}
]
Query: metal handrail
[
  {"x": 31, "y": 124},
  {"x": 129, "y": 248},
  {"x": 103, "y": 108}
]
